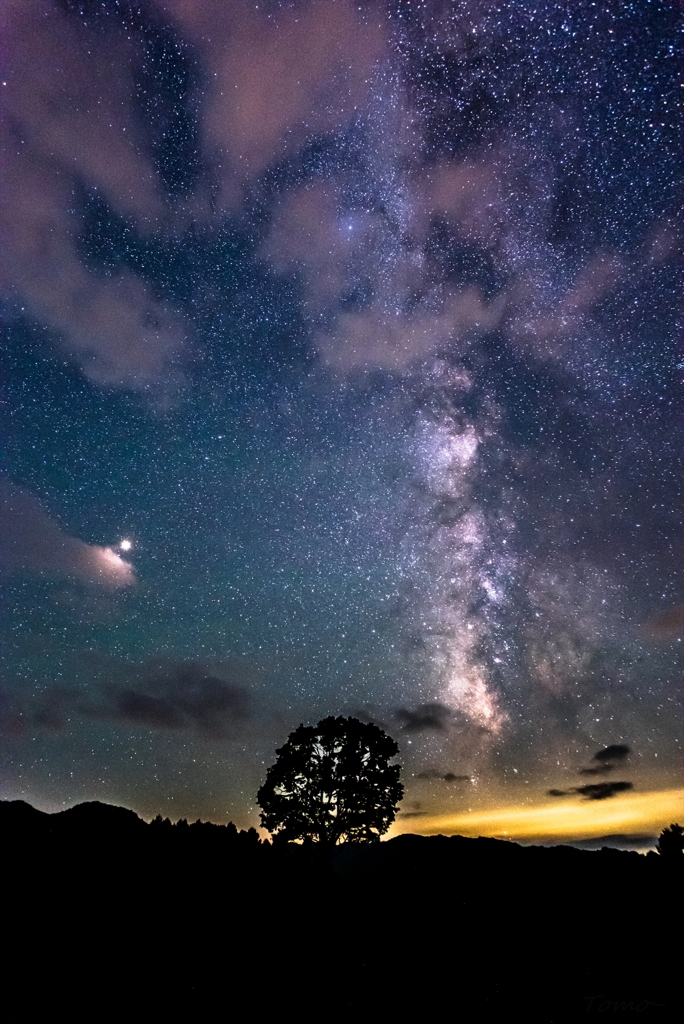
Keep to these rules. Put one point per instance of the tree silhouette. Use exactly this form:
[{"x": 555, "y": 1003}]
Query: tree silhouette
[
  {"x": 332, "y": 782},
  {"x": 671, "y": 841}
]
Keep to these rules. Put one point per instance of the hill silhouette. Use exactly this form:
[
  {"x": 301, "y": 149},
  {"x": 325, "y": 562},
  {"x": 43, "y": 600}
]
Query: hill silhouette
[
  {"x": 91, "y": 818},
  {"x": 108, "y": 913}
]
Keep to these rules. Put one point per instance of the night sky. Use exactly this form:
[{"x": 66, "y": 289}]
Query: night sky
[{"x": 342, "y": 373}]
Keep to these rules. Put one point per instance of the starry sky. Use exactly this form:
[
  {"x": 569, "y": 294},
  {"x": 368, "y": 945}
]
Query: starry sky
[{"x": 343, "y": 374}]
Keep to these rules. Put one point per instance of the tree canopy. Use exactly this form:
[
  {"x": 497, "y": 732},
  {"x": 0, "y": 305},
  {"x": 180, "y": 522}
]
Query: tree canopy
[
  {"x": 671, "y": 841},
  {"x": 332, "y": 783}
]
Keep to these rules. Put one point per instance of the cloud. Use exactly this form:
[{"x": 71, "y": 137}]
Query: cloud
[
  {"x": 615, "y": 752},
  {"x": 54, "y": 709},
  {"x": 275, "y": 76},
  {"x": 13, "y": 719},
  {"x": 425, "y": 716},
  {"x": 617, "y": 841},
  {"x": 667, "y": 624},
  {"x": 70, "y": 100},
  {"x": 24, "y": 713},
  {"x": 607, "y": 759},
  {"x": 68, "y": 122},
  {"x": 164, "y": 696},
  {"x": 310, "y": 234},
  {"x": 31, "y": 542},
  {"x": 431, "y": 773},
  {"x": 471, "y": 200},
  {"x": 603, "y": 790},
  {"x": 390, "y": 245},
  {"x": 470, "y": 195},
  {"x": 544, "y": 327},
  {"x": 382, "y": 254},
  {"x": 594, "y": 791},
  {"x": 340, "y": 252},
  {"x": 395, "y": 338},
  {"x": 593, "y": 283},
  {"x": 183, "y": 696}
]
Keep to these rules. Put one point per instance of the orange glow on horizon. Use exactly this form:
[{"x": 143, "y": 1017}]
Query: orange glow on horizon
[{"x": 631, "y": 814}]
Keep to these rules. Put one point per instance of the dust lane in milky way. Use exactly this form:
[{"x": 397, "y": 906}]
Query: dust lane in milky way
[{"x": 343, "y": 374}]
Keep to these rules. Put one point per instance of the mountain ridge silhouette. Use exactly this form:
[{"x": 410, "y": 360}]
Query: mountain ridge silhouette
[{"x": 177, "y": 918}]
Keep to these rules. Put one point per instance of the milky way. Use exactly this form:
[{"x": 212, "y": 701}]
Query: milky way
[{"x": 343, "y": 374}]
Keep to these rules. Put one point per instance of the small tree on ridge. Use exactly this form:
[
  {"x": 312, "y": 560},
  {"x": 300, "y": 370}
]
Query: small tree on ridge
[{"x": 332, "y": 782}]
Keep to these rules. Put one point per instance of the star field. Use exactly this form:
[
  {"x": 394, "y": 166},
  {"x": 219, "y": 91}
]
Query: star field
[{"x": 344, "y": 384}]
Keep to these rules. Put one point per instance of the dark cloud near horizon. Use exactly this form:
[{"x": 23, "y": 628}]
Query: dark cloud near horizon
[
  {"x": 614, "y": 752},
  {"x": 603, "y": 790},
  {"x": 594, "y": 791},
  {"x": 618, "y": 841},
  {"x": 177, "y": 697},
  {"x": 180, "y": 697},
  {"x": 431, "y": 715},
  {"x": 13, "y": 721},
  {"x": 49, "y": 710},
  {"x": 608, "y": 759},
  {"x": 432, "y": 773},
  {"x": 55, "y": 708}
]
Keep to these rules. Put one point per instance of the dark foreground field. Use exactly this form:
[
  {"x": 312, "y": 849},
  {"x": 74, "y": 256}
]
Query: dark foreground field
[{"x": 108, "y": 918}]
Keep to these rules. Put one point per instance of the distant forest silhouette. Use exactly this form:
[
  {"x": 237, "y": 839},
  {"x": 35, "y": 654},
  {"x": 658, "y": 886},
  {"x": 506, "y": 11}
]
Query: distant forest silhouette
[{"x": 196, "y": 918}]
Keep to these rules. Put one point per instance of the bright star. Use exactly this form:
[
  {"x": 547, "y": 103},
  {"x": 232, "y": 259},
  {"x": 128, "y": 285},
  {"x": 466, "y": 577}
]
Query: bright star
[{"x": 125, "y": 545}]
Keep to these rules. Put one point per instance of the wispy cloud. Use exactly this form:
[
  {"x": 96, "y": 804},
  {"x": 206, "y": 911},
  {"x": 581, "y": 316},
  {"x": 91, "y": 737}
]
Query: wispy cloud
[
  {"x": 31, "y": 542},
  {"x": 69, "y": 123},
  {"x": 275, "y": 77}
]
